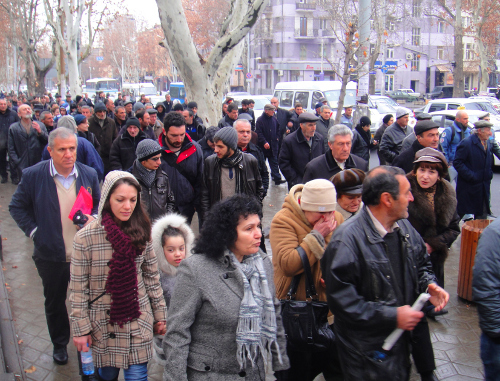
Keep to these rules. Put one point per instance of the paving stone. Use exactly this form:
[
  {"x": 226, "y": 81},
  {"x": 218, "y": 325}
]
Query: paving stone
[
  {"x": 468, "y": 371},
  {"x": 445, "y": 370}
]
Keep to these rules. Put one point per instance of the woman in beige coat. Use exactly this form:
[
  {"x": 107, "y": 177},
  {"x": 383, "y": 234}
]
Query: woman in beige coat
[
  {"x": 116, "y": 298},
  {"x": 307, "y": 219}
]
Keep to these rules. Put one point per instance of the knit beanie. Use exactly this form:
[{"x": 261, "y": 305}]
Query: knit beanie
[
  {"x": 210, "y": 133},
  {"x": 68, "y": 122},
  {"x": 138, "y": 106},
  {"x": 133, "y": 121},
  {"x": 318, "y": 196},
  {"x": 229, "y": 137},
  {"x": 401, "y": 111},
  {"x": 79, "y": 119},
  {"x": 99, "y": 106},
  {"x": 146, "y": 149},
  {"x": 365, "y": 121}
]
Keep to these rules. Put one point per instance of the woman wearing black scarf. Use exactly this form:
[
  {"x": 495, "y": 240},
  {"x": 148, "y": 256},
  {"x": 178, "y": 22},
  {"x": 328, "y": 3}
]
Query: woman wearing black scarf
[{"x": 361, "y": 141}]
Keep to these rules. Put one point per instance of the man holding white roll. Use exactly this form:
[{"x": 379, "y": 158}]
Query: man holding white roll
[{"x": 374, "y": 268}]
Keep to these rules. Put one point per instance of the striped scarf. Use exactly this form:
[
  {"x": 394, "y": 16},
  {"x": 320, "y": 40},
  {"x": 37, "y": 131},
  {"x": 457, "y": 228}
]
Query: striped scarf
[
  {"x": 231, "y": 163},
  {"x": 256, "y": 332}
]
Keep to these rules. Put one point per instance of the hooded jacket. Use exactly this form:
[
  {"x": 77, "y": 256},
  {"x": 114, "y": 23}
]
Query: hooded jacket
[
  {"x": 122, "y": 154},
  {"x": 289, "y": 229},
  {"x": 112, "y": 345}
]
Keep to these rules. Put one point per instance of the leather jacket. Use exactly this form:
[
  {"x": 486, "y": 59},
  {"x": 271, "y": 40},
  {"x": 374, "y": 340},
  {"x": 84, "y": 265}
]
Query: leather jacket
[
  {"x": 159, "y": 199},
  {"x": 211, "y": 192}
]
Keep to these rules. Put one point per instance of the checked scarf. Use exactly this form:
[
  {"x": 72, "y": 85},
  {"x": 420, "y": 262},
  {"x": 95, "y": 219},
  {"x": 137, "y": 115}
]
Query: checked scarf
[
  {"x": 233, "y": 162},
  {"x": 256, "y": 332}
]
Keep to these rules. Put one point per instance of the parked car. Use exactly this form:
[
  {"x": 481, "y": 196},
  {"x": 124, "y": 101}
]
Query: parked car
[
  {"x": 455, "y": 103},
  {"x": 494, "y": 102},
  {"x": 380, "y": 106},
  {"x": 441, "y": 92},
  {"x": 403, "y": 96},
  {"x": 411, "y": 92},
  {"x": 446, "y": 118}
]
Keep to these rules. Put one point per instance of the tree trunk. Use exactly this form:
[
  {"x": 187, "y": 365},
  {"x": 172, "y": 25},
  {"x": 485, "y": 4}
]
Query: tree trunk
[
  {"x": 458, "y": 73},
  {"x": 485, "y": 76},
  {"x": 74, "y": 75},
  {"x": 347, "y": 72}
]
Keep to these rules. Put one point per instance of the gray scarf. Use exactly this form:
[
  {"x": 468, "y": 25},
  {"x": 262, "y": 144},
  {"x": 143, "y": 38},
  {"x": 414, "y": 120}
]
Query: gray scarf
[
  {"x": 256, "y": 332},
  {"x": 147, "y": 175}
]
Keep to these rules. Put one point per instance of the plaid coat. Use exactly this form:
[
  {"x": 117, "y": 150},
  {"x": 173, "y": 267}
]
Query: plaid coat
[{"x": 112, "y": 345}]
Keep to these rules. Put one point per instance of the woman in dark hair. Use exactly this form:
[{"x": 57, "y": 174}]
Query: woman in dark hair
[
  {"x": 386, "y": 122},
  {"x": 116, "y": 298},
  {"x": 224, "y": 320},
  {"x": 362, "y": 140},
  {"x": 433, "y": 214}
]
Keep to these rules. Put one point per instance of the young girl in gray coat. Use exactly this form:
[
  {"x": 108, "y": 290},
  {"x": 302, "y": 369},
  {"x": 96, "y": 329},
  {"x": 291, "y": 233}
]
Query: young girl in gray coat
[{"x": 172, "y": 242}]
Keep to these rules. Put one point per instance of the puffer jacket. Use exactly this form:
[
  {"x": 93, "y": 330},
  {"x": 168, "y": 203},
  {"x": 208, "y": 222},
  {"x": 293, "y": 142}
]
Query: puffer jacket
[
  {"x": 438, "y": 226},
  {"x": 8, "y": 118},
  {"x": 363, "y": 295},
  {"x": 289, "y": 229},
  {"x": 122, "y": 154},
  {"x": 112, "y": 345},
  {"x": 159, "y": 199},
  {"x": 392, "y": 140},
  {"x": 25, "y": 149},
  {"x": 211, "y": 188},
  {"x": 485, "y": 282},
  {"x": 168, "y": 272}
]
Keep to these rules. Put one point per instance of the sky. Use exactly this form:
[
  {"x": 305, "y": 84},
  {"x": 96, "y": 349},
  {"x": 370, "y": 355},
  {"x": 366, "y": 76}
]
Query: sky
[{"x": 144, "y": 10}]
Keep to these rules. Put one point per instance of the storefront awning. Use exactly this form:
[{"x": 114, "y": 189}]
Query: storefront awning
[
  {"x": 443, "y": 68},
  {"x": 471, "y": 67}
]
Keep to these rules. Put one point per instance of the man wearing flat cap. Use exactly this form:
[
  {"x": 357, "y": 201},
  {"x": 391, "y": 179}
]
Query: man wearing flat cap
[
  {"x": 427, "y": 135},
  {"x": 392, "y": 140},
  {"x": 473, "y": 163},
  {"x": 268, "y": 131},
  {"x": 299, "y": 148}
]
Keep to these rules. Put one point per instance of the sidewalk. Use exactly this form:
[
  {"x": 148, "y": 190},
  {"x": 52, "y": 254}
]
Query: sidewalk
[{"x": 455, "y": 336}]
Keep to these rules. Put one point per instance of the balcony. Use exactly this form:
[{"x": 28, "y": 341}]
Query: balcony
[
  {"x": 307, "y": 35},
  {"x": 325, "y": 33},
  {"x": 303, "y": 6}
]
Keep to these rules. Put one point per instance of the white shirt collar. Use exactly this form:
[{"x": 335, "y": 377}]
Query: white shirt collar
[
  {"x": 53, "y": 171},
  {"x": 380, "y": 228}
]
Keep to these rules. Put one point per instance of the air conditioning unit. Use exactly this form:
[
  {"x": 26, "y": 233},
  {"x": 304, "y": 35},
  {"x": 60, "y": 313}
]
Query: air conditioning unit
[
  {"x": 280, "y": 73},
  {"x": 409, "y": 56}
]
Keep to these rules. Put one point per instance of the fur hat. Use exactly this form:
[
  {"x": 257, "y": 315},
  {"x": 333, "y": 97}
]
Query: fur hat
[
  {"x": 175, "y": 221},
  {"x": 318, "y": 195},
  {"x": 349, "y": 181}
]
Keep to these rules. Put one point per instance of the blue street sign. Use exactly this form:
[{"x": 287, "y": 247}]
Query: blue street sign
[
  {"x": 384, "y": 69},
  {"x": 99, "y": 58}
]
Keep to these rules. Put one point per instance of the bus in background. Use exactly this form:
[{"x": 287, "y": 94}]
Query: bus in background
[
  {"x": 177, "y": 91},
  {"x": 133, "y": 91},
  {"x": 107, "y": 85}
]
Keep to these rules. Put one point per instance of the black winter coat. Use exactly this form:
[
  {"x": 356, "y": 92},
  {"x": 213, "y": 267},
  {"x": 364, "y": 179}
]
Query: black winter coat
[
  {"x": 406, "y": 158},
  {"x": 473, "y": 165},
  {"x": 225, "y": 122},
  {"x": 359, "y": 146},
  {"x": 392, "y": 139},
  {"x": 264, "y": 173},
  {"x": 106, "y": 136},
  {"x": 438, "y": 226},
  {"x": 195, "y": 130},
  {"x": 211, "y": 189},
  {"x": 8, "y": 118},
  {"x": 159, "y": 199},
  {"x": 26, "y": 150},
  {"x": 322, "y": 127},
  {"x": 185, "y": 173},
  {"x": 207, "y": 151},
  {"x": 325, "y": 166},
  {"x": 296, "y": 153},
  {"x": 283, "y": 116},
  {"x": 91, "y": 138},
  {"x": 363, "y": 295},
  {"x": 122, "y": 154},
  {"x": 268, "y": 132}
]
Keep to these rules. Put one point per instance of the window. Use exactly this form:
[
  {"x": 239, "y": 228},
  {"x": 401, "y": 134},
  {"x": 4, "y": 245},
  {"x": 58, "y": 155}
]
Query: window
[
  {"x": 269, "y": 79},
  {"x": 322, "y": 24},
  {"x": 440, "y": 52},
  {"x": 469, "y": 52},
  {"x": 389, "y": 82},
  {"x": 466, "y": 21},
  {"x": 372, "y": 49},
  {"x": 303, "y": 26},
  {"x": 437, "y": 107},
  {"x": 417, "y": 8},
  {"x": 415, "y": 62},
  {"x": 440, "y": 27},
  {"x": 391, "y": 26},
  {"x": 303, "y": 51},
  {"x": 389, "y": 53},
  {"x": 277, "y": 50},
  {"x": 316, "y": 97},
  {"x": 301, "y": 97},
  {"x": 415, "y": 36},
  {"x": 286, "y": 99}
]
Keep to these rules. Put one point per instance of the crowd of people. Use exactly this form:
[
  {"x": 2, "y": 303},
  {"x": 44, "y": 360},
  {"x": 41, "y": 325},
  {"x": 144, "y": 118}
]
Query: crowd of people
[{"x": 208, "y": 308}]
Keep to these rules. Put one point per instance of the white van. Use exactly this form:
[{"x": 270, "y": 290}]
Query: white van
[
  {"x": 134, "y": 90},
  {"x": 309, "y": 93}
]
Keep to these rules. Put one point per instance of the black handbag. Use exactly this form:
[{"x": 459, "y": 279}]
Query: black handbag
[{"x": 306, "y": 322}]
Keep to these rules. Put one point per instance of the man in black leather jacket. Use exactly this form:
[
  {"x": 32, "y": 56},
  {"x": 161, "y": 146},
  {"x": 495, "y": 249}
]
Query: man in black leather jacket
[
  {"x": 374, "y": 268},
  {"x": 156, "y": 193},
  {"x": 229, "y": 171}
]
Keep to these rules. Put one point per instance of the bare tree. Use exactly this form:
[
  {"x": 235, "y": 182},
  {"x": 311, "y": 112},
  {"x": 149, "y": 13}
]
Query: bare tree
[{"x": 205, "y": 78}]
